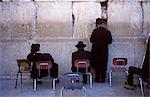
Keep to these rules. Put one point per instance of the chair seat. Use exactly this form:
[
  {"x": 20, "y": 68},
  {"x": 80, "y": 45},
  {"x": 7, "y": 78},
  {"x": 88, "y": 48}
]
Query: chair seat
[{"x": 118, "y": 69}]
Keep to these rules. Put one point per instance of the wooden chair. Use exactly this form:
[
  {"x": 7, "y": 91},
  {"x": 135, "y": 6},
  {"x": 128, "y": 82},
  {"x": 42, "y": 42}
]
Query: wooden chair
[{"x": 23, "y": 67}]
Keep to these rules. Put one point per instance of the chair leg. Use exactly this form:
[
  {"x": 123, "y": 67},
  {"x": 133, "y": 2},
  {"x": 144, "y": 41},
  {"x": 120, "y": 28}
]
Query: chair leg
[
  {"x": 54, "y": 83},
  {"x": 16, "y": 80},
  {"x": 90, "y": 75},
  {"x": 110, "y": 78},
  {"x": 34, "y": 85},
  {"x": 141, "y": 86},
  {"x": 61, "y": 92},
  {"x": 84, "y": 91},
  {"x": 21, "y": 77}
]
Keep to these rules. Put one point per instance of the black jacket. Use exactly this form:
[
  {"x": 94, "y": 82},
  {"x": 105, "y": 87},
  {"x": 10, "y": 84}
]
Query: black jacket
[
  {"x": 80, "y": 54},
  {"x": 100, "y": 39}
]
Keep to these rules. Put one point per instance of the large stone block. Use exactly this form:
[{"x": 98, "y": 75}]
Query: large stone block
[
  {"x": 10, "y": 51},
  {"x": 16, "y": 20},
  {"x": 125, "y": 19},
  {"x": 146, "y": 15},
  {"x": 54, "y": 19},
  {"x": 73, "y": 0},
  {"x": 85, "y": 14},
  {"x": 17, "y": 0}
]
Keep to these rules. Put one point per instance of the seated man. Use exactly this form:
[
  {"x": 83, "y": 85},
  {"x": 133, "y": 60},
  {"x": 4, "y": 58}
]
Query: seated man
[
  {"x": 80, "y": 54},
  {"x": 35, "y": 57},
  {"x": 143, "y": 72}
]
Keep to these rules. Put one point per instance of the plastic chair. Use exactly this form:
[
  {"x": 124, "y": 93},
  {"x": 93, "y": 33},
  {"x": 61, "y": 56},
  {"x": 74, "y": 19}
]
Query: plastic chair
[
  {"x": 84, "y": 63},
  {"x": 23, "y": 67},
  {"x": 119, "y": 65},
  {"x": 141, "y": 81},
  {"x": 44, "y": 65},
  {"x": 73, "y": 81}
]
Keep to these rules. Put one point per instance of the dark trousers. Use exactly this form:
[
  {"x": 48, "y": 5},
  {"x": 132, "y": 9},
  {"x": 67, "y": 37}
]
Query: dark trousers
[
  {"x": 132, "y": 71},
  {"x": 100, "y": 74},
  {"x": 82, "y": 70},
  {"x": 44, "y": 73}
]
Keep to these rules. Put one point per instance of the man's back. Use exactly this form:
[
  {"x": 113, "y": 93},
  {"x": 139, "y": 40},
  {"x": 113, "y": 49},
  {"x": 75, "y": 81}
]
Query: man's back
[
  {"x": 101, "y": 37},
  {"x": 80, "y": 54}
]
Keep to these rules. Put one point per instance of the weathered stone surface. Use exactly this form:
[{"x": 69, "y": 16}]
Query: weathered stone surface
[
  {"x": 17, "y": 0},
  {"x": 54, "y": 19},
  {"x": 85, "y": 14},
  {"x": 146, "y": 24},
  {"x": 16, "y": 20},
  {"x": 52, "y": 25},
  {"x": 9, "y": 53},
  {"x": 125, "y": 19},
  {"x": 73, "y": 0}
]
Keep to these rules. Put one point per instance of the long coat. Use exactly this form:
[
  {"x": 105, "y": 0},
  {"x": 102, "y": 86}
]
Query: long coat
[{"x": 100, "y": 38}]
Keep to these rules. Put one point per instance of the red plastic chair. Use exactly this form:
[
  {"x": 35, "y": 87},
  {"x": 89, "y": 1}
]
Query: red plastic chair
[
  {"x": 84, "y": 63},
  {"x": 119, "y": 65},
  {"x": 44, "y": 65}
]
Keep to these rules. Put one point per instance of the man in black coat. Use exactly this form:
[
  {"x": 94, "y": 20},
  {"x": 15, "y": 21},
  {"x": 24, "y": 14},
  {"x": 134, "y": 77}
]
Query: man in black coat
[
  {"x": 35, "y": 57},
  {"x": 143, "y": 72},
  {"x": 100, "y": 39},
  {"x": 80, "y": 54}
]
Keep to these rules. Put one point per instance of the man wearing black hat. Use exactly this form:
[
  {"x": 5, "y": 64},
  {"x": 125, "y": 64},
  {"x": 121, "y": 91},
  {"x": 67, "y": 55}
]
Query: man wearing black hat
[
  {"x": 35, "y": 57},
  {"x": 100, "y": 39},
  {"x": 80, "y": 54}
]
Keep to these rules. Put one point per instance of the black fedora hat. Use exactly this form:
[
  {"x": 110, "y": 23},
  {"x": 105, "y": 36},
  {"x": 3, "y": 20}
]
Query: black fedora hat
[{"x": 80, "y": 44}]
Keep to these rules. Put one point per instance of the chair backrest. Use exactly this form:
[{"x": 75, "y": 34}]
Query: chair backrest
[
  {"x": 143, "y": 58},
  {"x": 43, "y": 64},
  {"x": 24, "y": 65},
  {"x": 120, "y": 61},
  {"x": 82, "y": 63},
  {"x": 73, "y": 80}
]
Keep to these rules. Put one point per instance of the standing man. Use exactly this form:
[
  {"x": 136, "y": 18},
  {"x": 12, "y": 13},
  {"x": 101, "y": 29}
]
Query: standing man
[
  {"x": 80, "y": 54},
  {"x": 100, "y": 39}
]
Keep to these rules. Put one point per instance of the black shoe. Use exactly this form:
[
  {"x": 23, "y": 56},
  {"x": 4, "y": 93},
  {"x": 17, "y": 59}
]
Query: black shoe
[
  {"x": 39, "y": 82},
  {"x": 102, "y": 81},
  {"x": 85, "y": 82},
  {"x": 127, "y": 86},
  {"x": 97, "y": 81},
  {"x": 57, "y": 80}
]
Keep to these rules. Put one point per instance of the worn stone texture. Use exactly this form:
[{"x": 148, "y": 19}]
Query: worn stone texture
[
  {"x": 122, "y": 21},
  {"x": 73, "y": 0},
  {"x": 146, "y": 24},
  {"x": 85, "y": 18},
  {"x": 16, "y": 20},
  {"x": 125, "y": 21},
  {"x": 53, "y": 26},
  {"x": 9, "y": 53},
  {"x": 54, "y": 19},
  {"x": 17, "y": 0}
]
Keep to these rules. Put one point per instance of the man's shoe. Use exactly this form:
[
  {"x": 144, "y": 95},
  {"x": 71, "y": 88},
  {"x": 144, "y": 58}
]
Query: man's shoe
[
  {"x": 85, "y": 82},
  {"x": 102, "y": 81},
  {"x": 39, "y": 82},
  {"x": 57, "y": 80},
  {"x": 97, "y": 81},
  {"x": 130, "y": 87}
]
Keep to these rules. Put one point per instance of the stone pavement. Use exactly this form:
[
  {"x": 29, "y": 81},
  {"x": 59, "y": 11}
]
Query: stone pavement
[{"x": 45, "y": 90}]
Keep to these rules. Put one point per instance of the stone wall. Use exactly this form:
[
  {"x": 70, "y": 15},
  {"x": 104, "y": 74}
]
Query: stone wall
[{"x": 59, "y": 24}]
